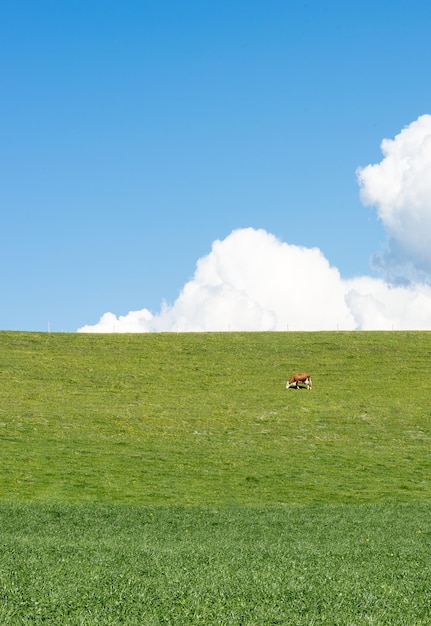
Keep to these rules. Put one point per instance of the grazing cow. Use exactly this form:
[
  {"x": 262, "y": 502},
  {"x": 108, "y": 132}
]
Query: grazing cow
[{"x": 299, "y": 378}]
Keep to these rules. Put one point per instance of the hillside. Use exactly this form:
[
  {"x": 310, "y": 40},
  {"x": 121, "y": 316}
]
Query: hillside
[{"x": 206, "y": 419}]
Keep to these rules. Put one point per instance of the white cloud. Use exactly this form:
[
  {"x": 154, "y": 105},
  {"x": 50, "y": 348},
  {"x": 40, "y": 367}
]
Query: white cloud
[
  {"x": 377, "y": 305},
  {"x": 249, "y": 281},
  {"x": 400, "y": 188},
  {"x": 252, "y": 281}
]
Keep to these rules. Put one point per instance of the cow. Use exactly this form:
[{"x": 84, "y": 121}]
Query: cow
[{"x": 305, "y": 379}]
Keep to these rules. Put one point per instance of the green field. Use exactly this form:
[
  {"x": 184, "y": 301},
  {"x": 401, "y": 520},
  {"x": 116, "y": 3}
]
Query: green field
[{"x": 172, "y": 479}]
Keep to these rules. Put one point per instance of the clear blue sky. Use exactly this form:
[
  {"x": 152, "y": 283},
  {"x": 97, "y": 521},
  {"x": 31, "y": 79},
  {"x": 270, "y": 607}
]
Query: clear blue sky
[{"x": 135, "y": 133}]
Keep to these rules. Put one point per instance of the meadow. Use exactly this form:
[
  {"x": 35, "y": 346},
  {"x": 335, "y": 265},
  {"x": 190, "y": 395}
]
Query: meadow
[{"x": 172, "y": 479}]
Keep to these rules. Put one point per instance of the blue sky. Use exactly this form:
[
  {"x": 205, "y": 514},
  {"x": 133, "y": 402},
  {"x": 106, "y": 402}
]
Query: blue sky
[{"x": 136, "y": 134}]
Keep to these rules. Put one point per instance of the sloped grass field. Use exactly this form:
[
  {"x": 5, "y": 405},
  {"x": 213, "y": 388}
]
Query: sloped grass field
[{"x": 172, "y": 479}]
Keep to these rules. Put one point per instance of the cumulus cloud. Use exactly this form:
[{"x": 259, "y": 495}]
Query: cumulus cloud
[
  {"x": 400, "y": 189},
  {"x": 249, "y": 281},
  {"x": 378, "y": 305},
  {"x": 252, "y": 281}
]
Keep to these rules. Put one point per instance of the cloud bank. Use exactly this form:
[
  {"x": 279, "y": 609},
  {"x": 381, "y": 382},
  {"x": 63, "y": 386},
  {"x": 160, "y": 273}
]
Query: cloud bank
[{"x": 253, "y": 281}]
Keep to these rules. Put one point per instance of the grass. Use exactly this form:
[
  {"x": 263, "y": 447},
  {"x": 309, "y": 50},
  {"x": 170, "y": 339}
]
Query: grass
[
  {"x": 206, "y": 419},
  {"x": 123, "y": 564},
  {"x": 172, "y": 479}
]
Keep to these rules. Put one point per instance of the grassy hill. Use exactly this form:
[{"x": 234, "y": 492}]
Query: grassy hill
[
  {"x": 206, "y": 419},
  {"x": 172, "y": 479}
]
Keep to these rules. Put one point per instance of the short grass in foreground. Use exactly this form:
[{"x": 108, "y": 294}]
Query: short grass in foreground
[
  {"x": 206, "y": 419},
  {"x": 346, "y": 565}
]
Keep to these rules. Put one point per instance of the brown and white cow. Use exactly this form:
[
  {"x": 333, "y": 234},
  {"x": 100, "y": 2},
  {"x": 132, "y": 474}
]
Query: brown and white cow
[{"x": 305, "y": 379}]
